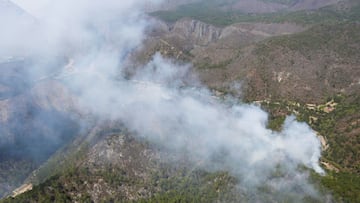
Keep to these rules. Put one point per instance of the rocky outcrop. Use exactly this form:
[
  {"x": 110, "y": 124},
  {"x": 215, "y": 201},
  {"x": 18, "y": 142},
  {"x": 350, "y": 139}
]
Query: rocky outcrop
[
  {"x": 196, "y": 31},
  {"x": 187, "y": 34}
]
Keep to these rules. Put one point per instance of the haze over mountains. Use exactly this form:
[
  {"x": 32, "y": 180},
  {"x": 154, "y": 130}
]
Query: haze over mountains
[
  {"x": 101, "y": 102},
  {"x": 256, "y": 6}
]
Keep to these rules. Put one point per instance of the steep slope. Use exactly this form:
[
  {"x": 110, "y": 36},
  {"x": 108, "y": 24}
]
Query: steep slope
[
  {"x": 35, "y": 119},
  {"x": 205, "y": 44},
  {"x": 277, "y": 68},
  {"x": 324, "y": 56},
  {"x": 302, "y": 74},
  {"x": 120, "y": 167},
  {"x": 309, "y": 67},
  {"x": 117, "y": 166}
]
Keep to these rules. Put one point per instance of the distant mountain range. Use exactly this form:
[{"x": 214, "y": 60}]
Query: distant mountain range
[{"x": 252, "y": 6}]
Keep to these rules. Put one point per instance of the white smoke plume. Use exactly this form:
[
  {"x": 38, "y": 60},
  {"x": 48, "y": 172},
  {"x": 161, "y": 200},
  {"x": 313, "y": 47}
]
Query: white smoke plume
[{"x": 157, "y": 103}]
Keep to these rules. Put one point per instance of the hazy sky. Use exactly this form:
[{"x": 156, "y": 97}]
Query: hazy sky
[{"x": 33, "y": 7}]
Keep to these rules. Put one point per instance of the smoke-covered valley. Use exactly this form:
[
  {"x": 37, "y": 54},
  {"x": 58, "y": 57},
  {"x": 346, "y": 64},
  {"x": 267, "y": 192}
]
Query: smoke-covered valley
[{"x": 72, "y": 67}]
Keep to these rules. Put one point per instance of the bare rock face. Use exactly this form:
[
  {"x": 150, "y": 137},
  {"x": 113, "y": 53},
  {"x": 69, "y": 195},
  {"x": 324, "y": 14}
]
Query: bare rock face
[
  {"x": 295, "y": 69},
  {"x": 199, "y": 42},
  {"x": 196, "y": 31}
]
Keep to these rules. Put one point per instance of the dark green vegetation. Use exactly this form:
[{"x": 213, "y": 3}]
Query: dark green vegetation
[
  {"x": 342, "y": 146},
  {"x": 51, "y": 191},
  {"x": 345, "y": 186},
  {"x": 197, "y": 186},
  {"x": 211, "y": 12},
  {"x": 341, "y": 129},
  {"x": 64, "y": 160},
  {"x": 206, "y": 11}
]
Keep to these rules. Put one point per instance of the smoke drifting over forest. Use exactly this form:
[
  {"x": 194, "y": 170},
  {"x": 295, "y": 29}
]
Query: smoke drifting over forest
[{"x": 87, "y": 45}]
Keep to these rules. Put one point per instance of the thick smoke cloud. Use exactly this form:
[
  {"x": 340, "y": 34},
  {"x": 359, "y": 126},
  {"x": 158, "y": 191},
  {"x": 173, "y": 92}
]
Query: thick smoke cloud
[{"x": 159, "y": 102}]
